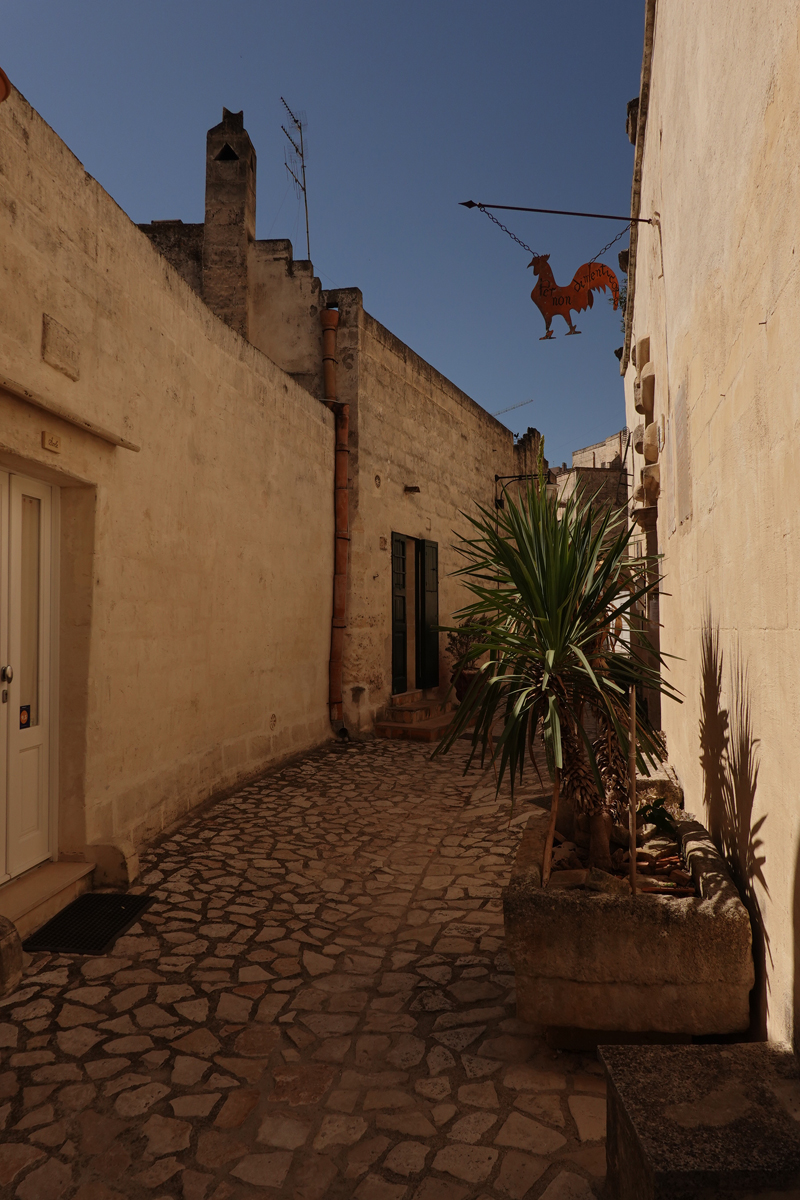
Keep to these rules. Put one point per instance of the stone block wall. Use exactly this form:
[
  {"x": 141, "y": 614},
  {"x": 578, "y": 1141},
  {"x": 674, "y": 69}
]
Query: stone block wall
[
  {"x": 412, "y": 429},
  {"x": 285, "y": 299},
  {"x": 195, "y": 575}
]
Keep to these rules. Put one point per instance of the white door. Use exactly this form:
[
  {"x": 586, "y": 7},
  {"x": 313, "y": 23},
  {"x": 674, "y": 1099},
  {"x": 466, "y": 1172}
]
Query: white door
[{"x": 25, "y": 639}]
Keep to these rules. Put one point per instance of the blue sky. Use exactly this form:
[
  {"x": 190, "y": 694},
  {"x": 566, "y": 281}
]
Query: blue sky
[{"x": 411, "y": 108}]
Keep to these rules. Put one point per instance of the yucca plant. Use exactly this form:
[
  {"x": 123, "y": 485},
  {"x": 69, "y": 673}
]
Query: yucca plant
[{"x": 558, "y": 643}]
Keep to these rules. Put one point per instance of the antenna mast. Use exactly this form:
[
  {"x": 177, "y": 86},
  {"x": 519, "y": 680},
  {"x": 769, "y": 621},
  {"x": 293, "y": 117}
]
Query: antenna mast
[{"x": 300, "y": 163}]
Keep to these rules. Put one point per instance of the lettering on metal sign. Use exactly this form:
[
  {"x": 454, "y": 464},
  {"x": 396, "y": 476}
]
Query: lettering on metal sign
[{"x": 552, "y": 300}]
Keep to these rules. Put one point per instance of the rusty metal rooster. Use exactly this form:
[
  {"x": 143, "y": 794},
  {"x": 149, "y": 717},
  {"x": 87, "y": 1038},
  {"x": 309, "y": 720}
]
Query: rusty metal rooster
[{"x": 551, "y": 299}]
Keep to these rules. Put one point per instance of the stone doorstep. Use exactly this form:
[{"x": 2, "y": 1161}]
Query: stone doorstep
[
  {"x": 690, "y": 1121},
  {"x": 431, "y": 730},
  {"x": 32, "y": 899},
  {"x": 390, "y": 724},
  {"x": 417, "y": 696},
  {"x": 411, "y": 714}
]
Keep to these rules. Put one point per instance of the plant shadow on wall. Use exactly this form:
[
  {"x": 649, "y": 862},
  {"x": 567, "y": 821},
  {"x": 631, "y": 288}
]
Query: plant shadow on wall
[{"x": 729, "y": 758}]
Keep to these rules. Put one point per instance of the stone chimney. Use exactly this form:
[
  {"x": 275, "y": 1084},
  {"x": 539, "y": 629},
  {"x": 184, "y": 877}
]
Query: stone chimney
[{"x": 230, "y": 224}]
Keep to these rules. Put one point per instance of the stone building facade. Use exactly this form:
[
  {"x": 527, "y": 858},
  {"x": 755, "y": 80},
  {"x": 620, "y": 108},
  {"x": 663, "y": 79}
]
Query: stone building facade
[
  {"x": 711, "y": 364},
  {"x": 170, "y": 536},
  {"x": 420, "y": 450}
]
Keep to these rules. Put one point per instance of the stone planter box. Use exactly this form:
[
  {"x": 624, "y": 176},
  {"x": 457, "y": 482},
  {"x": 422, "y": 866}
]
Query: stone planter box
[{"x": 618, "y": 963}]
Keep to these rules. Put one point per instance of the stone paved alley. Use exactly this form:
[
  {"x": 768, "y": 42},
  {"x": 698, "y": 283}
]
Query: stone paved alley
[{"x": 317, "y": 1004}]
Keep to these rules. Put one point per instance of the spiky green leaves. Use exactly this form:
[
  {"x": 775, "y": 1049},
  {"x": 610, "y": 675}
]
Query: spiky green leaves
[{"x": 558, "y": 634}]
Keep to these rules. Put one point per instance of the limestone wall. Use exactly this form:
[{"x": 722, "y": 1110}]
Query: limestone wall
[
  {"x": 410, "y": 427},
  {"x": 284, "y": 300},
  {"x": 717, "y": 290},
  {"x": 195, "y": 574}
]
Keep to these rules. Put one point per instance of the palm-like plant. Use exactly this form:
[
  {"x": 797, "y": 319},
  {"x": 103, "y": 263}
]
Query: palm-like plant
[{"x": 557, "y": 624}]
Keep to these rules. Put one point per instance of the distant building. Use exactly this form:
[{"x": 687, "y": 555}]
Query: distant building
[{"x": 598, "y": 471}]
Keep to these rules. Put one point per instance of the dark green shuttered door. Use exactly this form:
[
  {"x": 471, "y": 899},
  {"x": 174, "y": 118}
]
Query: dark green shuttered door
[
  {"x": 399, "y": 617},
  {"x": 427, "y": 562}
]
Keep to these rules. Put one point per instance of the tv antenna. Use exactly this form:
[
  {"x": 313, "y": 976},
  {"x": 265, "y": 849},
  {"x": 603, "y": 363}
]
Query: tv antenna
[{"x": 296, "y": 162}]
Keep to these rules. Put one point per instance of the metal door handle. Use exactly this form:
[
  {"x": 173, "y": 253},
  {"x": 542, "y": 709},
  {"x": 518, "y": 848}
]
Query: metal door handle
[{"x": 6, "y": 674}]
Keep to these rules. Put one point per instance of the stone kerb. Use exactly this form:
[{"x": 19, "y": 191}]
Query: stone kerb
[{"x": 650, "y": 963}]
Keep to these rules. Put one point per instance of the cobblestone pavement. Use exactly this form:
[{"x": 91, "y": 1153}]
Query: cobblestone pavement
[{"x": 316, "y": 1004}]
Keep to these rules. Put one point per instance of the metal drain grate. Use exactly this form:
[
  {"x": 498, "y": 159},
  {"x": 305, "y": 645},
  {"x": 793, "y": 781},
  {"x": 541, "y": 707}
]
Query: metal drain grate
[{"x": 89, "y": 925}]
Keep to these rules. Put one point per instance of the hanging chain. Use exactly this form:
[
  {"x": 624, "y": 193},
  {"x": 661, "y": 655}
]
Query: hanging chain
[
  {"x": 608, "y": 245},
  {"x": 533, "y": 253},
  {"x": 513, "y": 236}
]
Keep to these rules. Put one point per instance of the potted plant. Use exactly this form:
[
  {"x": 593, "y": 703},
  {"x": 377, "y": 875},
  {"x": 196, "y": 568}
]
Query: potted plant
[
  {"x": 460, "y": 641},
  {"x": 559, "y": 650},
  {"x": 556, "y": 621}
]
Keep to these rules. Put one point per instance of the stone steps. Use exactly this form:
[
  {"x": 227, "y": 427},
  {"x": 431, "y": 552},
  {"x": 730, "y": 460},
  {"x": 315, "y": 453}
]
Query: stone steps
[
  {"x": 431, "y": 729},
  {"x": 412, "y": 714},
  {"x": 419, "y": 716}
]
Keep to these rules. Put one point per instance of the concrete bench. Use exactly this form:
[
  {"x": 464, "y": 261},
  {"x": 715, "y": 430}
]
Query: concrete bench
[{"x": 717, "y": 1122}]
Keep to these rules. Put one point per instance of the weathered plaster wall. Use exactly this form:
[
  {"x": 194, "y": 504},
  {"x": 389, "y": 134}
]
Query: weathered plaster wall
[
  {"x": 718, "y": 293},
  {"x": 414, "y": 428},
  {"x": 196, "y": 574}
]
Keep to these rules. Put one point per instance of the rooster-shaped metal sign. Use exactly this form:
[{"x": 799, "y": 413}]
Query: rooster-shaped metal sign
[{"x": 551, "y": 299}]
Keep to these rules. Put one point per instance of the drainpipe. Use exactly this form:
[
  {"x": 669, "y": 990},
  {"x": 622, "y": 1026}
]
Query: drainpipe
[{"x": 330, "y": 321}]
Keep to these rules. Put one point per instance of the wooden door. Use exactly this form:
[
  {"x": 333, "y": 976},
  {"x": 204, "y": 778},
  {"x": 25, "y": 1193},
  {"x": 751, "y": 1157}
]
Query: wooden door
[
  {"x": 4, "y": 707},
  {"x": 399, "y": 615},
  {"x": 26, "y": 695},
  {"x": 427, "y": 612}
]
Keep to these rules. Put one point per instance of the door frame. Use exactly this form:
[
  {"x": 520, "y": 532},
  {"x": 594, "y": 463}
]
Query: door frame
[
  {"x": 427, "y": 671},
  {"x": 55, "y": 660},
  {"x": 416, "y": 610},
  {"x": 53, "y": 711},
  {"x": 399, "y": 637},
  {"x": 5, "y": 530}
]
